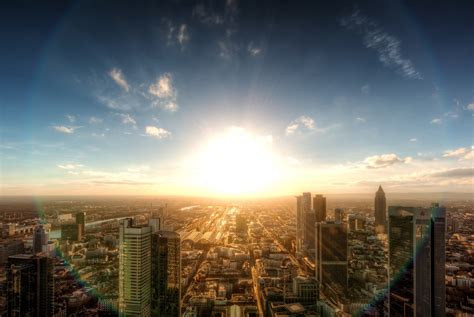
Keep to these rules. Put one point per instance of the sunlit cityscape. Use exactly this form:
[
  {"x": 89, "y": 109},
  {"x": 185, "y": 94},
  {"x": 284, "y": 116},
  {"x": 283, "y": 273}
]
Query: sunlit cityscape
[{"x": 236, "y": 158}]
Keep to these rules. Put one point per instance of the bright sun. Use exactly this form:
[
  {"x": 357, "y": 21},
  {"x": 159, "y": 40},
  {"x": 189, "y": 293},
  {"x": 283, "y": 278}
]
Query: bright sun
[{"x": 237, "y": 162}]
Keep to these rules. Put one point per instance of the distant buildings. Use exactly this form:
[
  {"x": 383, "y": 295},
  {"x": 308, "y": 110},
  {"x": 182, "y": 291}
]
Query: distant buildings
[
  {"x": 331, "y": 254},
  {"x": 417, "y": 261},
  {"x": 380, "y": 211},
  {"x": 30, "y": 286},
  {"x": 338, "y": 215}
]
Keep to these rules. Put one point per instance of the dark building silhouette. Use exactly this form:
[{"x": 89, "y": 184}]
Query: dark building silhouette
[
  {"x": 30, "y": 286},
  {"x": 40, "y": 238},
  {"x": 303, "y": 207},
  {"x": 166, "y": 274},
  {"x": 81, "y": 222},
  {"x": 380, "y": 211},
  {"x": 319, "y": 206},
  {"x": 331, "y": 254},
  {"x": 417, "y": 261}
]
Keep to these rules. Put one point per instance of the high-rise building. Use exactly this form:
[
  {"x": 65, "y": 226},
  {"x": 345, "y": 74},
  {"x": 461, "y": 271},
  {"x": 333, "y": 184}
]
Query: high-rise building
[
  {"x": 338, "y": 215},
  {"x": 81, "y": 222},
  {"x": 40, "y": 239},
  {"x": 417, "y": 261},
  {"x": 71, "y": 232},
  {"x": 380, "y": 211},
  {"x": 30, "y": 286},
  {"x": 303, "y": 206},
  {"x": 306, "y": 289},
  {"x": 309, "y": 230},
  {"x": 319, "y": 206},
  {"x": 134, "y": 269},
  {"x": 166, "y": 274},
  {"x": 331, "y": 254}
]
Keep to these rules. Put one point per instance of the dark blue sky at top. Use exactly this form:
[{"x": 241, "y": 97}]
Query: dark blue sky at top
[{"x": 56, "y": 57}]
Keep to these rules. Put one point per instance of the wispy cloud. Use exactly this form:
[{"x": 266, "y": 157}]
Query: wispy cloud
[
  {"x": 436, "y": 121},
  {"x": 207, "y": 16},
  {"x": 183, "y": 35},
  {"x": 70, "y": 166},
  {"x": 299, "y": 124},
  {"x": 95, "y": 120},
  {"x": 365, "y": 89},
  {"x": 387, "y": 46},
  {"x": 157, "y": 132},
  {"x": 253, "y": 49},
  {"x": 71, "y": 118},
  {"x": 360, "y": 120},
  {"x": 117, "y": 75},
  {"x": 126, "y": 118},
  {"x": 164, "y": 93},
  {"x": 470, "y": 107},
  {"x": 64, "y": 129},
  {"x": 413, "y": 140}
]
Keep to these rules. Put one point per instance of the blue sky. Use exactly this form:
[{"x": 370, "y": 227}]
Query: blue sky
[{"x": 101, "y": 98}]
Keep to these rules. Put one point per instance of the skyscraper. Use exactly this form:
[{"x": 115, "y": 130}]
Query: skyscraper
[
  {"x": 331, "y": 254},
  {"x": 303, "y": 206},
  {"x": 319, "y": 206},
  {"x": 81, "y": 223},
  {"x": 416, "y": 261},
  {"x": 380, "y": 211},
  {"x": 40, "y": 239},
  {"x": 338, "y": 215},
  {"x": 30, "y": 286},
  {"x": 166, "y": 274},
  {"x": 134, "y": 269}
]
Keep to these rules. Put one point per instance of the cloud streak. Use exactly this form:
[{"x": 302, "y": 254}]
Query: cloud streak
[
  {"x": 119, "y": 78},
  {"x": 387, "y": 46},
  {"x": 156, "y": 132}
]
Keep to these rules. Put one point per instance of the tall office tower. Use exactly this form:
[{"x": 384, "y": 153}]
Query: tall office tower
[
  {"x": 81, "y": 223},
  {"x": 30, "y": 286},
  {"x": 309, "y": 229},
  {"x": 319, "y": 206},
  {"x": 40, "y": 239},
  {"x": 166, "y": 274},
  {"x": 331, "y": 254},
  {"x": 380, "y": 211},
  {"x": 416, "y": 261},
  {"x": 134, "y": 269},
  {"x": 338, "y": 215},
  {"x": 303, "y": 206}
]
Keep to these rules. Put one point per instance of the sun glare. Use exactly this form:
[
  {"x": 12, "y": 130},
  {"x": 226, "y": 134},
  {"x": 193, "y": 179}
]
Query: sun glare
[{"x": 237, "y": 162}]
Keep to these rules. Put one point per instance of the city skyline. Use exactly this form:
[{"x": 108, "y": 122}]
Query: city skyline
[{"x": 236, "y": 98}]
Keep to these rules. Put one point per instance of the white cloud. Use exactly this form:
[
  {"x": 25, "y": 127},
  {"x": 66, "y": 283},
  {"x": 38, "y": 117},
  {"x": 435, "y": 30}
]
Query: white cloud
[
  {"x": 253, "y": 49},
  {"x": 301, "y": 123},
  {"x": 436, "y": 121},
  {"x": 183, "y": 35},
  {"x": 126, "y": 118},
  {"x": 462, "y": 153},
  {"x": 365, "y": 89},
  {"x": 117, "y": 75},
  {"x": 164, "y": 93},
  {"x": 71, "y": 118},
  {"x": 387, "y": 46},
  {"x": 156, "y": 132},
  {"x": 413, "y": 140},
  {"x": 64, "y": 129},
  {"x": 360, "y": 119},
  {"x": 163, "y": 87},
  {"x": 95, "y": 120},
  {"x": 470, "y": 107},
  {"x": 384, "y": 160}
]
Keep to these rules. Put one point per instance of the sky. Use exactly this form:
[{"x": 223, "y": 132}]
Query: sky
[{"x": 236, "y": 97}]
